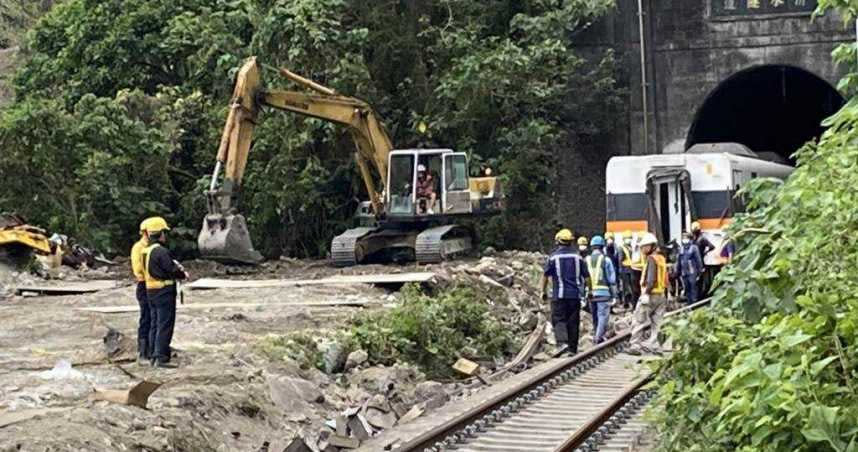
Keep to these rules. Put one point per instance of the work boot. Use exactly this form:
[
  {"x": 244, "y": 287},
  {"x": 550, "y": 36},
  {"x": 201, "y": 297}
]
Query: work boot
[
  {"x": 165, "y": 365},
  {"x": 142, "y": 360}
]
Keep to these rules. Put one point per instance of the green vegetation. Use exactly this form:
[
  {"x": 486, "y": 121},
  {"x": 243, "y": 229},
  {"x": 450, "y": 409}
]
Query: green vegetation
[
  {"x": 119, "y": 106},
  {"x": 297, "y": 346},
  {"x": 772, "y": 365},
  {"x": 433, "y": 331}
]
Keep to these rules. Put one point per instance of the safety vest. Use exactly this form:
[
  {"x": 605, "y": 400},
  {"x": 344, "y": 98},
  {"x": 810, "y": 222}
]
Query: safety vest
[
  {"x": 137, "y": 263},
  {"x": 627, "y": 255},
  {"x": 597, "y": 276},
  {"x": 660, "y": 286},
  {"x": 151, "y": 282}
]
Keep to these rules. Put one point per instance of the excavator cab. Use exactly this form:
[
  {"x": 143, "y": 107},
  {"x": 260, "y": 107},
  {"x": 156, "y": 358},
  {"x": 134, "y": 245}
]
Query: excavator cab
[{"x": 425, "y": 183}]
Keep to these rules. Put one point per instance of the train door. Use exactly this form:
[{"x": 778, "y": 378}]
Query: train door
[{"x": 671, "y": 206}]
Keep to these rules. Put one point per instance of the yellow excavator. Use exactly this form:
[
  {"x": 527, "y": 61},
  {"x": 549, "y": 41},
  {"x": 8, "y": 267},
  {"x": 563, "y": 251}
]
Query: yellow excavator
[{"x": 411, "y": 216}]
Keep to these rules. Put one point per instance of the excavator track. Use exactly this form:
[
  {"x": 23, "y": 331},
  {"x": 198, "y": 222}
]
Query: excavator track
[
  {"x": 442, "y": 242},
  {"x": 344, "y": 247}
]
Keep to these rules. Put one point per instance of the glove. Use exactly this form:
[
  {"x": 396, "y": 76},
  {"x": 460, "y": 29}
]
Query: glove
[{"x": 644, "y": 299}]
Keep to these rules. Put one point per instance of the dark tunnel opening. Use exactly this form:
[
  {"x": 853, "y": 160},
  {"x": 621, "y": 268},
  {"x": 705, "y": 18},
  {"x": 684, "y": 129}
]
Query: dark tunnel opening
[{"x": 770, "y": 108}]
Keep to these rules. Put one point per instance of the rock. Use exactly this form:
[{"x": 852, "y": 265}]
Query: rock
[
  {"x": 415, "y": 412},
  {"x": 432, "y": 393},
  {"x": 355, "y": 359},
  {"x": 378, "y": 379},
  {"x": 379, "y": 418},
  {"x": 356, "y": 394},
  {"x": 489, "y": 251},
  {"x": 292, "y": 395},
  {"x": 528, "y": 321},
  {"x": 333, "y": 356}
]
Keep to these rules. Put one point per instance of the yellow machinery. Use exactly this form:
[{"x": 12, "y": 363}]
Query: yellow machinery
[
  {"x": 19, "y": 240},
  {"x": 406, "y": 223}
]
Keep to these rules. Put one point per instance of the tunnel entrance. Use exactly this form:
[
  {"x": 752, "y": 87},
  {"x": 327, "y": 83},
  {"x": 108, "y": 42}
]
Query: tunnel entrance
[{"x": 771, "y": 108}]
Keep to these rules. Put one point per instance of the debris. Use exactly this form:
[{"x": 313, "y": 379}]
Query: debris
[
  {"x": 68, "y": 288},
  {"x": 297, "y": 445},
  {"x": 118, "y": 346},
  {"x": 138, "y": 395},
  {"x": 355, "y": 359},
  {"x": 466, "y": 367},
  {"x": 432, "y": 393},
  {"x": 379, "y": 418},
  {"x": 292, "y": 395},
  {"x": 14, "y": 417},
  {"x": 360, "y": 428},
  {"x": 62, "y": 371},
  {"x": 343, "y": 441},
  {"x": 412, "y": 414},
  {"x": 389, "y": 278}
]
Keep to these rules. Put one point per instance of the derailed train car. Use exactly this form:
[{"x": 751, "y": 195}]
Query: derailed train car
[{"x": 665, "y": 193}]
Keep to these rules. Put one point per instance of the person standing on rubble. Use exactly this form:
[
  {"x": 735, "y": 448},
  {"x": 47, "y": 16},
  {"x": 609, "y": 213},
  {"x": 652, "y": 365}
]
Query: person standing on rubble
[
  {"x": 625, "y": 258},
  {"x": 690, "y": 267},
  {"x": 652, "y": 303},
  {"x": 161, "y": 273},
  {"x": 603, "y": 286},
  {"x": 144, "y": 347},
  {"x": 569, "y": 274}
]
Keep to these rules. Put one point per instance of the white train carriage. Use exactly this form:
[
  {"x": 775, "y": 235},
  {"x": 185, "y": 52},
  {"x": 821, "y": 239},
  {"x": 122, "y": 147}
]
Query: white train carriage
[{"x": 665, "y": 193}]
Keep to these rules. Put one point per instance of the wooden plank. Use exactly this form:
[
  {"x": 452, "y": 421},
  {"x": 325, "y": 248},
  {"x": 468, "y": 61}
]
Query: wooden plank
[
  {"x": 188, "y": 306},
  {"x": 70, "y": 288},
  {"x": 389, "y": 278}
]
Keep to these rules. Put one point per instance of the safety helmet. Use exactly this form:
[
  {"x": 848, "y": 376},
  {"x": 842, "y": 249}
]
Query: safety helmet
[
  {"x": 421, "y": 169},
  {"x": 695, "y": 226},
  {"x": 648, "y": 239},
  {"x": 156, "y": 224},
  {"x": 582, "y": 240},
  {"x": 563, "y": 236},
  {"x": 144, "y": 224},
  {"x": 597, "y": 240}
]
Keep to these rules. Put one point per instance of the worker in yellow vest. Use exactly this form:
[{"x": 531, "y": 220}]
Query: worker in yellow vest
[
  {"x": 653, "y": 301},
  {"x": 627, "y": 283},
  {"x": 161, "y": 273},
  {"x": 144, "y": 347}
]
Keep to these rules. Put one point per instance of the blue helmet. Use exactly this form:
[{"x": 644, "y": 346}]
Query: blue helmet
[{"x": 597, "y": 240}]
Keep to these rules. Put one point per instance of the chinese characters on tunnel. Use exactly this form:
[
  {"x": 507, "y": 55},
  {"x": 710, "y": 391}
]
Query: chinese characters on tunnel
[{"x": 753, "y": 7}]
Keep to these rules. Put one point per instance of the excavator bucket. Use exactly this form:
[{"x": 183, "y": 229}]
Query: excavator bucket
[{"x": 225, "y": 238}]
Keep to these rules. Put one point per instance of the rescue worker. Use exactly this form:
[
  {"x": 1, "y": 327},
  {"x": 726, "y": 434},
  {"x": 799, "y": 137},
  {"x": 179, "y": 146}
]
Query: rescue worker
[
  {"x": 582, "y": 246},
  {"x": 704, "y": 246},
  {"x": 612, "y": 251},
  {"x": 604, "y": 280},
  {"x": 567, "y": 270},
  {"x": 144, "y": 347},
  {"x": 690, "y": 267},
  {"x": 161, "y": 273},
  {"x": 625, "y": 260},
  {"x": 652, "y": 303}
]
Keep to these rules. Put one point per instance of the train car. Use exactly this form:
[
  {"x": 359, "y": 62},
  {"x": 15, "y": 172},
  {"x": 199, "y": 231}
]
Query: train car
[{"x": 665, "y": 193}]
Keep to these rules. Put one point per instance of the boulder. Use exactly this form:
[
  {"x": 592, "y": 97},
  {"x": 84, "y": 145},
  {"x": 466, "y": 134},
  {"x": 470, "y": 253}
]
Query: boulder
[
  {"x": 293, "y": 395},
  {"x": 355, "y": 359},
  {"x": 333, "y": 356}
]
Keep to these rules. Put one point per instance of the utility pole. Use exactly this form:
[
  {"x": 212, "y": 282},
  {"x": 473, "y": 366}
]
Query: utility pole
[{"x": 644, "y": 78}]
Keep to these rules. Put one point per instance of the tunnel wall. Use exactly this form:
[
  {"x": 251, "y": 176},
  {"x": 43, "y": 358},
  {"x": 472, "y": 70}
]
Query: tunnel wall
[{"x": 692, "y": 46}]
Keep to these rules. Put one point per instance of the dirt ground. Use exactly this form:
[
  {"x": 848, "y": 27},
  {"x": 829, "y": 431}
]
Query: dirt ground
[{"x": 226, "y": 395}]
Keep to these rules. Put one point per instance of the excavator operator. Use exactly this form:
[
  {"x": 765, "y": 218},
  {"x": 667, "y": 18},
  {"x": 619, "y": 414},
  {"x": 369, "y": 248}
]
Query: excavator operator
[{"x": 425, "y": 190}]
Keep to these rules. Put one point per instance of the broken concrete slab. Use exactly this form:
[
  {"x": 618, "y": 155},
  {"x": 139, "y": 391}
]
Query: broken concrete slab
[
  {"x": 343, "y": 441},
  {"x": 412, "y": 414},
  {"x": 69, "y": 288},
  {"x": 380, "y": 419},
  {"x": 138, "y": 395},
  {"x": 388, "y": 278}
]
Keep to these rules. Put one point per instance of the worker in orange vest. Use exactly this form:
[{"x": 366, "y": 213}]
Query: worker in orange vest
[{"x": 653, "y": 301}]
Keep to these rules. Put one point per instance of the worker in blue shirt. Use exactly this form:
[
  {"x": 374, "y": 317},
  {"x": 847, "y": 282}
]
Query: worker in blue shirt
[
  {"x": 690, "y": 266},
  {"x": 603, "y": 287},
  {"x": 569, "y": 274}
]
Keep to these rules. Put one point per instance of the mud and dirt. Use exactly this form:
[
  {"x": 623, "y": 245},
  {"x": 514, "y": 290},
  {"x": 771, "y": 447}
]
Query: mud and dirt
[{"x": 226, "y": 394}]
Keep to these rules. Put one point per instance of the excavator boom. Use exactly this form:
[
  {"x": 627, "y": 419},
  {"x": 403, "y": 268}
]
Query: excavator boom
[{"x": 224, "y": 235}]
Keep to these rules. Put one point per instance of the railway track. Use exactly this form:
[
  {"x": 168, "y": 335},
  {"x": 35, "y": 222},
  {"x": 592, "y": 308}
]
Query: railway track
[{"x": 590, "y": 402}]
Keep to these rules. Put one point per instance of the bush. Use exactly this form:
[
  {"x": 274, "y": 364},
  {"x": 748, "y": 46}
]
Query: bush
[{"x": 433, "y": 332}]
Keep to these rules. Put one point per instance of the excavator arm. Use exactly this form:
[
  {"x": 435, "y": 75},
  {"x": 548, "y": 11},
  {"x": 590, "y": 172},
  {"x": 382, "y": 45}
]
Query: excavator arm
[{"x": 224, "y": 235}]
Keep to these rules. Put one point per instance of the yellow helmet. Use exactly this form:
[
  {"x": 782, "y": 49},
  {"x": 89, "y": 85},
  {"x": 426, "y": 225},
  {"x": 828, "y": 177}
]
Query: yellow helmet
[
  {"x": 563, "y": 236},
  {"x": 695, "y": 226},
  {"x": 155, "y": 224},
  {"x": 144, "y": 224},
  {"x": 583, "y": 240}
]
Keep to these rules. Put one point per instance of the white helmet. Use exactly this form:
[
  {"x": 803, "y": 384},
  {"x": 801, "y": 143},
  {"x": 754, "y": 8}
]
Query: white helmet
[
  {"x": 421, "y": 168},
  {"x": 648, "y": 239}
]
